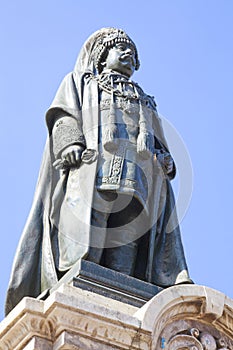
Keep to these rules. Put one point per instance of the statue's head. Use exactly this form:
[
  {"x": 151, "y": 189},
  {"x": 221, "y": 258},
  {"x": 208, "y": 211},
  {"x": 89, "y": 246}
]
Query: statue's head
[
  {"x": 108, "y": 48},
  {"x": 121, "y": 58},
  {"x": 114, "y": 49}
]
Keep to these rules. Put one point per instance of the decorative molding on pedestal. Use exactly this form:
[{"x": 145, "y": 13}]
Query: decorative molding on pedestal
[
  {"x": 179, "y": 318},
  {"x": 186, "y": 310}
]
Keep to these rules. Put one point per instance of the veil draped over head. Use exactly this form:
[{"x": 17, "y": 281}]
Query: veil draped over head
[{"x": 94, "y": 47}]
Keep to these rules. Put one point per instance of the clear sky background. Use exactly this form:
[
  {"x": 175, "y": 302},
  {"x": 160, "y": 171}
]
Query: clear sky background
[{"x": 186, "y": 54}]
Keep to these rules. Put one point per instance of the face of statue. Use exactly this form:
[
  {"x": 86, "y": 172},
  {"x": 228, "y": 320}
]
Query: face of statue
[{"x": 121, "y": 58}]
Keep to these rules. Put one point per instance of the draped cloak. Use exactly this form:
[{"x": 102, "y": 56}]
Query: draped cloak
[{"x": 160, "y": 255}]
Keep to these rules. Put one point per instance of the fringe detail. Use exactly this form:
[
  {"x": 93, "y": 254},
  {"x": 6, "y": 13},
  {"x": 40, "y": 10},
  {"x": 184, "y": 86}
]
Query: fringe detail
[
  {"x": 144, "y": 145},
  {"x": 110, "y": 138}
]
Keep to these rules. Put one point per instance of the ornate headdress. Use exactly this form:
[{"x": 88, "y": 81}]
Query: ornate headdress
[
  {"x": 95, "y": 49},
  {"x": 107, "y": 38}
]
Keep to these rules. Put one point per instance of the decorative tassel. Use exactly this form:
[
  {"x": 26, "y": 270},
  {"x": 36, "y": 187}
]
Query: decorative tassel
[
  {"x": 145, "y": 139},
  {"x": 110, "y": 137}
]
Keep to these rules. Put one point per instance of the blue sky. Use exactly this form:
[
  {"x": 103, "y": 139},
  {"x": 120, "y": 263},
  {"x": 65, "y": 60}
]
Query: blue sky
[{"x": 186, "y": 54}]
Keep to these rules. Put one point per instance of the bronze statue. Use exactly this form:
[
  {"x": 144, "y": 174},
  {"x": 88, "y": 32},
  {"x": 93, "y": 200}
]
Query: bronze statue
[{"x": 104, "y": 190}]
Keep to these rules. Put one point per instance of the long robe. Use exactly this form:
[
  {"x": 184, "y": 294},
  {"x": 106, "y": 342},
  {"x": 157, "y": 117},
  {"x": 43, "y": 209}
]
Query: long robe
[{"x": 160, "y": 259}]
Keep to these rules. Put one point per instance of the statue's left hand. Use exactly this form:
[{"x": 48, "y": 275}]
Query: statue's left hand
[{"x": 166, "y": 161}]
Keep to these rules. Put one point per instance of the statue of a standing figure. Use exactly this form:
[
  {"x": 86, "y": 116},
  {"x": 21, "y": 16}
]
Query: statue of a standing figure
[{"x": 104, "y": 190}]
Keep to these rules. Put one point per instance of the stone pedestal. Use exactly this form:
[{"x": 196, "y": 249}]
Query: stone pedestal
[
  {"x": 112, "y": 284},
  {"x": 181, "y": 317}
]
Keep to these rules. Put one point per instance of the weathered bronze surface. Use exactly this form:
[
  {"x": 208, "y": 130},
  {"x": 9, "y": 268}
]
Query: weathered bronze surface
[{"x": 104, "y": 190}]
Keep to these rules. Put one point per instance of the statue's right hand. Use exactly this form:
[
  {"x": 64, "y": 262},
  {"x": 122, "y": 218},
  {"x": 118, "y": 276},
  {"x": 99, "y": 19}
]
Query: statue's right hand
[{"x": 71, "y": 156}]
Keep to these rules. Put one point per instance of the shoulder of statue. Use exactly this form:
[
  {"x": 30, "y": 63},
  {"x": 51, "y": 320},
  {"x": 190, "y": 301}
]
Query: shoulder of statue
[
  {"x": 152, "y": 102},
  {"x": 149, "y": 98}
]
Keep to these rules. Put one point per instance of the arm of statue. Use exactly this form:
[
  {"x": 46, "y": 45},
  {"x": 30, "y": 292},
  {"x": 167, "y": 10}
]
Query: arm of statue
[
  {"x": 161, "y": 148},
  {"x": 68, "y": 143}
]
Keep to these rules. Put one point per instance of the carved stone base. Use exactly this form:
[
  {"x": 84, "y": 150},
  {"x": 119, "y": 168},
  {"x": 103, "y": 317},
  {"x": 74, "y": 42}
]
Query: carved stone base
[{"x": 181, "y": 317}]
